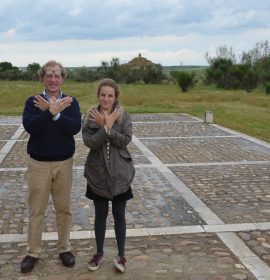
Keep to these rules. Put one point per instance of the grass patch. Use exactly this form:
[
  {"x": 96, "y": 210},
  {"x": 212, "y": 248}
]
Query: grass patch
[{"x": 235, "y": 109}]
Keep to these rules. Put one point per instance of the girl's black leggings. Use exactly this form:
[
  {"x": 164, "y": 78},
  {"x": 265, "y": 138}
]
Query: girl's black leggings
[{"x": 101, "y": 213}]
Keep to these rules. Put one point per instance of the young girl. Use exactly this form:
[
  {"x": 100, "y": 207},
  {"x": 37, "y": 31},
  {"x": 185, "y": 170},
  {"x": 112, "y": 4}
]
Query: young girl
[{"x": 109, "y": 168}]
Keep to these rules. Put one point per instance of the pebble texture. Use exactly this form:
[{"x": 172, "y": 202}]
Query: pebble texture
[{"x": 235, "y": 188}]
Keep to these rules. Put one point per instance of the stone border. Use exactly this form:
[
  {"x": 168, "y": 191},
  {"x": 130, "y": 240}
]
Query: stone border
[
  {"x": 10, "y": 143},
  {"x": 142, "y": 232}
]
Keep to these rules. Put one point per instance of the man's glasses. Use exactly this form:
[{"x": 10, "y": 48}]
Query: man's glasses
[{"x": 53, "y": 73}]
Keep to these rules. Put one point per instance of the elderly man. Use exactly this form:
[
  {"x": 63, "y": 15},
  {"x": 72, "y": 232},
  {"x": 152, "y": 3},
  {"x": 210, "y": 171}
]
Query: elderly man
[{"x": 52, "y": 119}]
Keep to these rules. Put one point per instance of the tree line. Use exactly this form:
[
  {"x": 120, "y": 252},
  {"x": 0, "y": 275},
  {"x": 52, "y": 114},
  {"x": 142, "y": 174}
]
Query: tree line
[
  {"x": 250, "y": 70},
  {"x": 150, "y": 74},
  {"x": 225, "y": 71},
  {"x": 247, "y": 72}
]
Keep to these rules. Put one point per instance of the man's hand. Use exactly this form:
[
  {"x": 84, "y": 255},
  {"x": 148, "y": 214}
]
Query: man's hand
[
  {"x": 41, "y": 103},
  {"x": 58, "y": 105},
  {"x": 97, "y": 117},
  {"x": 110, "y": 119}
]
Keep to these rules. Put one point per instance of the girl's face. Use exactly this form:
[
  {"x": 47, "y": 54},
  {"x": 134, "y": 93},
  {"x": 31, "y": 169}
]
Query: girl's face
[{"x": 106, "y": 98}]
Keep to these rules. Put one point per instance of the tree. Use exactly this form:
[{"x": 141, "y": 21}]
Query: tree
[
  {"x": 82, "y": 74},
  {"x": 129, "y": 75},
  {"x": 244, "y": 76},
  {"x": 114, "y": 70},
  {"x": 185, "y": 80},
  {"x": 219, "y": 72},
  {"x": 259, "y": 58},
  {"x": 225, "y": 72},
  {"x": 153, "y": 74},
  {"x": 103, "y": 69},
  {"x": 260, "y": 51},
  {"x": 262, "y": 67},
  {"x": 31, "y": 72},
  {"x": 220, "y": 69},
  {"x": 250, "y": 80},
  {"x": 174, "y": 76},
  {"x": 9, "y": 72},
  {"x": 5, "y": 66},
  {"x": 222, "y": 52}
]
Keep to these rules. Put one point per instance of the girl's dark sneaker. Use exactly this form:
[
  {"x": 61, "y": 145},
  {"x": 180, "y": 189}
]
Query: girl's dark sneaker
[
  {"x": 120, "y": 263},
  {"x": 95, "y": 262}
]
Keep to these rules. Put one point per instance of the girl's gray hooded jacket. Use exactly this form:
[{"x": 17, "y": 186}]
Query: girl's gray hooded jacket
[{"x": 108, "y": 179}]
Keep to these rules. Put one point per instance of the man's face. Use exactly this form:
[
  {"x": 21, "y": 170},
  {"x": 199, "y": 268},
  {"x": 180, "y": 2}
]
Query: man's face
[{"x": 53, "y": 80}]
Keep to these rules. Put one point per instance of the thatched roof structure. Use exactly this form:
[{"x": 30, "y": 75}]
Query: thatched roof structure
[{"x": 139, "y": 62}]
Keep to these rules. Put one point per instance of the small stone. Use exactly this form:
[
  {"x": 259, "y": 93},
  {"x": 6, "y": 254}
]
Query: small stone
[
  {"x": 222, "y": 254},
  {"x": 187, "y": 242},
  {"x": 76, "y": 228},
  {"x": 85, "y": 276},
  {"x": 219, "y": 277},
  {"x": 239, "y": 266},
  {"x": 225, "y": 260},
  {"x": 167, "y": 250},
  {"x": 252, "y": 243},
  {"x": 30, "y": 277},
  {"x": 266, "y": 245},
  {"x": 128, "y": 247},
  {"x": 266, "y": 257},
  {"x": 134, "y": 252},
  {"x": 196, "y": 248},
  {"x": 197, "y": 277},
  {"x": 261, "y": 239},
  {"x": 161, "y": 271},
  {"x": 239, "y": 276},
  {"x": 142, "y": 258},
  {"x": 260, "y": 250},
  {"x": 11, "y": 251},
  {"x": 255, "y": 234},
  {"x": 244, "y": 236},
  {"x": 84, "y": 243},
  {"x": 223, "y": 266}
]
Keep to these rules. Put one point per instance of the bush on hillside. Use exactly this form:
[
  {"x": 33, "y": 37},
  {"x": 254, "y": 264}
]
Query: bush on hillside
[{"x": 185, "y": 80}]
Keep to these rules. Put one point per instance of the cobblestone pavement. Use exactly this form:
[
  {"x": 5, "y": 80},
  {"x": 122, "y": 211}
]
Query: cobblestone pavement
[{"x": 201, "y": 207}]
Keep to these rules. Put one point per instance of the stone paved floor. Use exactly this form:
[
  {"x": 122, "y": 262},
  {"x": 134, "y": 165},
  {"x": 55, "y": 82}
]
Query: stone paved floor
[{"x": 201, "y": 207}]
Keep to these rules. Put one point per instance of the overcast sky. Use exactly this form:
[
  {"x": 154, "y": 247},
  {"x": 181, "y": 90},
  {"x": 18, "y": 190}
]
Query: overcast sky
[{"x": 170, "y": 32}]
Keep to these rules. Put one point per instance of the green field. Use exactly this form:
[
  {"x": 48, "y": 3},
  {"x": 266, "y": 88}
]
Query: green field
[{"x": 246, "y": 113}]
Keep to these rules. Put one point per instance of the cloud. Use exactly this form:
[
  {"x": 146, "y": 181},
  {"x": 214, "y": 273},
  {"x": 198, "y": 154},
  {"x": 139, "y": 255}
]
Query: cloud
[
  {"x": 162, "y": 28},
  {"x": 167, "y": 50},
  {"x": 44, "y": 20},
  {"x": 10, "y": 33}
]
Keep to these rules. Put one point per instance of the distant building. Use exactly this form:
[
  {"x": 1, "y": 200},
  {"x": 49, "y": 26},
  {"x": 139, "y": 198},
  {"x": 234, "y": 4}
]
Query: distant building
[{"x": 139, "y": 62}]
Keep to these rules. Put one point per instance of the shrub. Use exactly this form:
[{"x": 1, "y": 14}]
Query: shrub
[
  {"x": 185, "y": 80},
  {"x": 267, "y": 88},
  {"x": 219, "y": 73}
]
